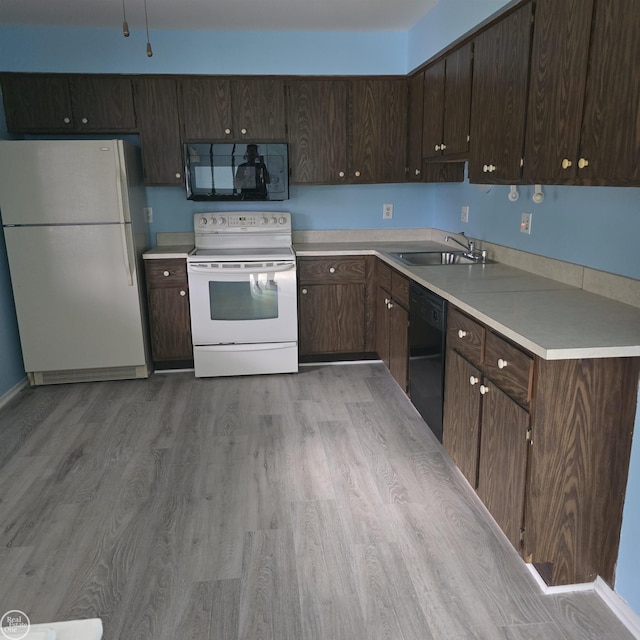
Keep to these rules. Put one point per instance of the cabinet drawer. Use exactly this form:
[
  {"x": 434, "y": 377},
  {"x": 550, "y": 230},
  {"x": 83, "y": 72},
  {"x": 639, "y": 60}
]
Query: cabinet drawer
[
  {"x": 509, "y": 367},
  {"x": 400, "y": 289},
  {"x": 466, "y": 336},
  {"x": 166, "y": 273},
  {"x": 332, "y": 270}
]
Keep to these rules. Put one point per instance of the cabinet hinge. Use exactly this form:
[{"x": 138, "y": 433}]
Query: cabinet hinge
[{"x": 530, "y": 435}]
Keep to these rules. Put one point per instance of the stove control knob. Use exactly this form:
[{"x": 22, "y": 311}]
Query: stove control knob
[
  {"x": 264, "y": 220},
  {"x": 274, "y": 220},
  {"x": 203, "y": 221},
  {"x": 214, "y": 220},
  {"x": 223, "y": 220},
  {"x": 282, "y": 220}
]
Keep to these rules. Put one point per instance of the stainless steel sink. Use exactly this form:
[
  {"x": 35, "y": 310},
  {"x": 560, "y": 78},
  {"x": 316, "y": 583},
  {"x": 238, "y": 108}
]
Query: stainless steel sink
[{"x": 428, "y": 258}]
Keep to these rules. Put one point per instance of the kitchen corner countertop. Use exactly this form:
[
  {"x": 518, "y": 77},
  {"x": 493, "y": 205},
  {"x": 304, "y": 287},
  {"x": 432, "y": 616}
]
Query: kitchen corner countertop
[
  {"x": 168, "y": 252},
  {"x": 553, "y": 320}
]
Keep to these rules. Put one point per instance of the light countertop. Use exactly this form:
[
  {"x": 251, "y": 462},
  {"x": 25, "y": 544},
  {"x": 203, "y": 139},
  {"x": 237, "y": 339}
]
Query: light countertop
[
  {"x": 168, "y": 252},
  {"x": 554, "y": 320}
]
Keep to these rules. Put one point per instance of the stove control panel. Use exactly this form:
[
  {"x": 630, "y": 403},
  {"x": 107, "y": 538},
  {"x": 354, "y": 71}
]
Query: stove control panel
[{"x": 241, "y": 222}]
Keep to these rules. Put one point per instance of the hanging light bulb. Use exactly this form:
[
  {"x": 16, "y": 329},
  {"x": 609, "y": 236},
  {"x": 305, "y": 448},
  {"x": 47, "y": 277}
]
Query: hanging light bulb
[
  {"x": 125, "y": 24},
  {"x": 146, "y": 22}
]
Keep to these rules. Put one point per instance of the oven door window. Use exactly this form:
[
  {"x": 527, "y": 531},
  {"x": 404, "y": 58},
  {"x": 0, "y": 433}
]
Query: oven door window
[{"x": 254, "y": 298}]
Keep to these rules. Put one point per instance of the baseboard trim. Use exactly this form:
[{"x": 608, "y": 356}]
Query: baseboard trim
[
  {"x": 618, "y": 605},
  {"x": 563, "y": 588},
  {"x": 5, "y": 398}
]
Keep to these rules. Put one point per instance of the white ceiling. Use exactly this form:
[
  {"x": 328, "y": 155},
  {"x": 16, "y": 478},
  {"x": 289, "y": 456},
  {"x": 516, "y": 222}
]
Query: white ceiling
[{"x": 241, "y": 15}]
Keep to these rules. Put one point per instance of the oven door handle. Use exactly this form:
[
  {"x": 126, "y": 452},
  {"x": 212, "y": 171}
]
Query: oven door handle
[{"x": 195, "y": 268}]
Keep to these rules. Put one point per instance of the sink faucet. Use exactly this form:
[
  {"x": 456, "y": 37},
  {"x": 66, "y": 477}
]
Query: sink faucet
[{"x": 469, "y": 246}]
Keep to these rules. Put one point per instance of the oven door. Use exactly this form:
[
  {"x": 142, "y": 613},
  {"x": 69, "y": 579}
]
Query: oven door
[{"x": 243, "y": 303}]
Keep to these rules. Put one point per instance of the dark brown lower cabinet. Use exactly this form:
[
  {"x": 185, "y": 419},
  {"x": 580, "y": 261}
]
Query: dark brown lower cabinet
[
  {"x": 392, "y": 322},
  {"x": 552, "y": 450},
  {"x": 461, "y": 428},
  {"x": 169, "y": 313},
  {"x": 331, "y": 318},
  {"x": 503, "y": 461},
  {"x": 333, "y": 314}
]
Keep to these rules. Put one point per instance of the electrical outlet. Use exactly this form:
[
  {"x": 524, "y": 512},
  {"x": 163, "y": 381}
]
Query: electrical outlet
[
  {"x": 464, "y": 214},
  {"x": 525, "y": 223},
  {"x": 387, "y": 211},
  {"x": 148, "y": 214}
]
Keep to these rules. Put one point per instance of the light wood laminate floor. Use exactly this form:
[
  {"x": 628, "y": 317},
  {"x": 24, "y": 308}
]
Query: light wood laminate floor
[{"x": 315, "y": 506}]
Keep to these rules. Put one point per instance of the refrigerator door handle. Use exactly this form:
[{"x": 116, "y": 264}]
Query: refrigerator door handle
[
  {"x": 125, "y": 227},
  {"x": 127, "y": 252}
]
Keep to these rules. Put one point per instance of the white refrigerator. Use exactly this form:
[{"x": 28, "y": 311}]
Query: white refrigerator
[{"x": 74, "y": 225}]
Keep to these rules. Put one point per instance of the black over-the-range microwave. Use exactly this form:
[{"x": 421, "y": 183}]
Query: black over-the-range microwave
[{"x": 236, "y": 171}]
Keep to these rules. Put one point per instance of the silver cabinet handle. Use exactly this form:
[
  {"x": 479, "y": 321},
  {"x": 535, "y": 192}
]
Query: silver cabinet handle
[
  {"x": 166, "y": 274},
  {"x": 183, "y": 293},
  {"x": 243, "y": 131},
  {"x": 227, "y": 131},
  {"x": 483, "y": 389},
  {"x": 332, "y": 270},
  {"x": 473, "y": 380},
  {"x": 502, "y": 363},
  {"x": 462, "y": 334},
  {"x": 84, "y": 121},
  {"x": 304, "y": 292}
]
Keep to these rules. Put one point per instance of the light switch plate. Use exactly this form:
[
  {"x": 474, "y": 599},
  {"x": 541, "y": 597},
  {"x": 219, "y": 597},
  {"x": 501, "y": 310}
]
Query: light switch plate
[
  {"x": 525, "y": 223},
  {"x": 464, "y": 213},
  {"x": 387, "y": 211}
]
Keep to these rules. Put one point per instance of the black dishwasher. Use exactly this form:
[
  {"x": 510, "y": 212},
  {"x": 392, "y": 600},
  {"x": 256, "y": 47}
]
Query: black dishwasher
[{"x": 427, "y": 334}]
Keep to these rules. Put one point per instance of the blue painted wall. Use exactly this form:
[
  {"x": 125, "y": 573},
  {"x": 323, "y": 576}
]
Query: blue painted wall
[{"x": 592, "y": 226}]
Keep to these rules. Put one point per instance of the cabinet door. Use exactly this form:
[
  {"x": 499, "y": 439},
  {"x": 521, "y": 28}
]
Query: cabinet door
[
  {"x": 35, "y": 102},
  {"x": 461, "y": 424},
  {"x": 558, "y": 73},
  {"x": 331, "y": 318},
  {"x": 317, "y": 124},
  {"x": 499, "y": 102},
  {"x": 170, "y": 324},
  {"x": 433, "y": 119},
  {"x": 102, "y": 103},
  {"x": 610, "y": 139},
  {"x": 457, "y": 102},
  {"x": 383, "y": 298},
  {"x": 399, "y": 345},
  {"x": 157, "y": 108},
  {"x": 415, "y": 129},
  {"x": 258, "y": 108},
  {"x": 206, "y": 108},
  {"x": 379, "y": 129},
  {"x": 502, "y": 471}
]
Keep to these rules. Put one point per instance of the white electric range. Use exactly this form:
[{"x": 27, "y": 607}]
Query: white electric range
[{"x": 243, "y": 294}]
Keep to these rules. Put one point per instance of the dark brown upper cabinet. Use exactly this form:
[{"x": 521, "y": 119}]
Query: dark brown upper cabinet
[
  {"x": 499, "y": 99},
  {"x": 447, "y": 109},
  {"x": 49, "y": 103},
  {"x": 415, "y": 162},
  {"x": 243, "y": 108},
  {"x": 317, "y": 114},
  {"x": 157, "y": 107},
  {"x": 433, "y": 118},
  {"x": 378, "y": 129},
  {"x": 583, "y": 125}
]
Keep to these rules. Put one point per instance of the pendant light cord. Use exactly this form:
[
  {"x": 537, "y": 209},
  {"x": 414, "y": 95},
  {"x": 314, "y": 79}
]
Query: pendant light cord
[{"x": 146, "y": 22}]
